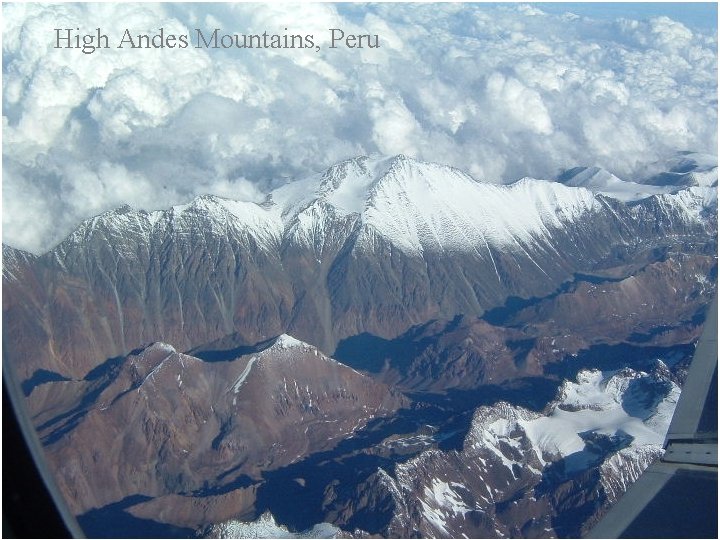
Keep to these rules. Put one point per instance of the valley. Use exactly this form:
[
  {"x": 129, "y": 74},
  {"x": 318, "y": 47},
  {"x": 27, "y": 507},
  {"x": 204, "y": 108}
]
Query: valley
[{"x": 387, "y": 348}]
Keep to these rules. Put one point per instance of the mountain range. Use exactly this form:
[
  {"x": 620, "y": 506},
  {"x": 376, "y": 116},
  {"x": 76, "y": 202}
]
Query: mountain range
[{"x": 357, "y": 339}]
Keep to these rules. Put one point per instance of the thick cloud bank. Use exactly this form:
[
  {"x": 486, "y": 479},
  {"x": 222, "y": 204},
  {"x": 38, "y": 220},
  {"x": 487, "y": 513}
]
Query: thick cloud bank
[{"x": 499, "y": 91}]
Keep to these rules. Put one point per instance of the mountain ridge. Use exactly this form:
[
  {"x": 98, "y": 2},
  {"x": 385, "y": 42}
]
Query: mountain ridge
[
  {"x": 189, "y": 418},
  {"x": 303, "y": 265},
  {"x": 458, "y": 294},
  {"x": 517, "y": 475},
  {"x": 351, "y": 186}
]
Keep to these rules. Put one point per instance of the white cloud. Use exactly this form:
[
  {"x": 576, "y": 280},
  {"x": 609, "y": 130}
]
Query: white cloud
[
  {"x": 501, "y": 91},
  {"x": 394, "y": 126},
  {"x": 522, "y": 105}
]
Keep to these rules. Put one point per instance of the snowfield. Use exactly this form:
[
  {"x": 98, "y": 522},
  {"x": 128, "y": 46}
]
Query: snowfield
[
  {"x": 266, "y": 527},
  {"x": 417, "y": 206}
]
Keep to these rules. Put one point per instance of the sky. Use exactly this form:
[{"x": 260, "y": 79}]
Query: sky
[
  {"x": 500, "y": 91},
  {"x": 694, "y": 15}
]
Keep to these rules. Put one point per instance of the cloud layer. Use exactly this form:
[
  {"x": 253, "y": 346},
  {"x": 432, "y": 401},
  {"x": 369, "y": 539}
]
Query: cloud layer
[{"x": 499, "y": 91}]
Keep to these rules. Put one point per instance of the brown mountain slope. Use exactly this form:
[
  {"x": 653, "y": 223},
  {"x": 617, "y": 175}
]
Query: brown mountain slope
[{"x": 166, "y": 422}]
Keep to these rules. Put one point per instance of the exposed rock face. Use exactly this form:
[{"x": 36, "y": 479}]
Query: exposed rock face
[
  {"x": 369, "y": 246},
  {"x": 657, "y": 304},
  {"x": 660, "y": 304},
  {"x": 415, "y": 274},
  {"x": 527, "y": 474},
  {"x": 163, "y": 422}
]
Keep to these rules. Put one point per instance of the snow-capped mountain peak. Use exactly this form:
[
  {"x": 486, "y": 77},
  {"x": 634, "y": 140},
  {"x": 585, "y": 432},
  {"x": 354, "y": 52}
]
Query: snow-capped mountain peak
[
  {"x": 516, "y": 464},
  {"x": 416, "y": 207},
  {"x": 597, "y": 402},
  {"x": 683, "y": 169},
  {"x": 603, "y": 182},
  {"x": 285, "y": 341}
]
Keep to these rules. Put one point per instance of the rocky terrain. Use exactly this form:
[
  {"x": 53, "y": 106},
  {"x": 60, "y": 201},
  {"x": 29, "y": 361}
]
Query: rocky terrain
[
  {"x": 372, "y": 246},
  {"x": 519, "y": 472},
  {"x": 189, "y": 423},
  {"x": 522, "y": 473},
  {"x": 529, "y": 338},
  {"x": 384, "y": 341}
]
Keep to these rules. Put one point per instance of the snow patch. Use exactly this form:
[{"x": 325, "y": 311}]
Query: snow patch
[
  {"x": 445, "y": 497},
  {"x": 266, "y": 527},
  {"x": 603, "y": 182},
  {"x": 244, "y": 375},
  {"x": 285, "y": 341},
  {"x": 601, "y": 403}
]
